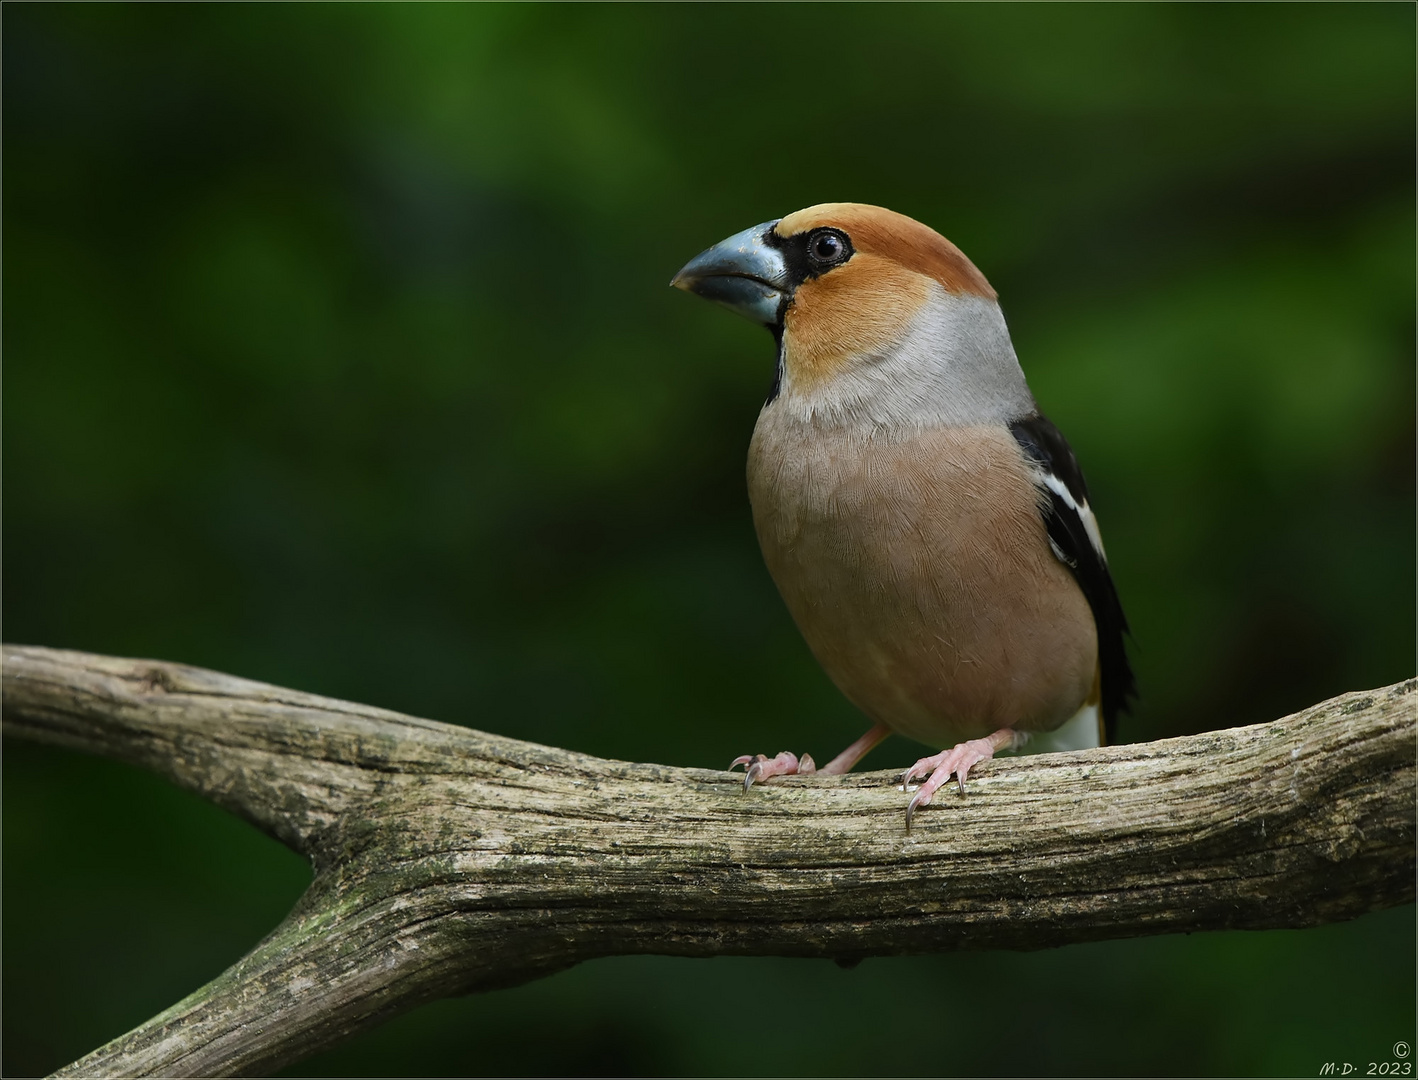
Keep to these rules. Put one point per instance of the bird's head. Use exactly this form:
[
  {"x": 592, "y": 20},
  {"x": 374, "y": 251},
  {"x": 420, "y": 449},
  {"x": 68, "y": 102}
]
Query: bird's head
[{"x": 878, "y": 318}]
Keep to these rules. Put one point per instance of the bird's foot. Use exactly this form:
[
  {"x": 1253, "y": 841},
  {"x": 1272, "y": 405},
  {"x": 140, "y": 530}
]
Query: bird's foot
[
  {"x": 959, "y": 760},
  {"x": 759, "y": 767}
]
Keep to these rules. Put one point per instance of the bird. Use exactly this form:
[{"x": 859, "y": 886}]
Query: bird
[{"x": 928, "y": 528}]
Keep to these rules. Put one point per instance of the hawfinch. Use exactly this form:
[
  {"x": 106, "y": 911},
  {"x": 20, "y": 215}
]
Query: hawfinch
[{"x": 927, "y": 527}]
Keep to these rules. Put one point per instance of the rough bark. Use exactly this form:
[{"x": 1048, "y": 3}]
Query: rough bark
[{"x": 447, "y": 860}]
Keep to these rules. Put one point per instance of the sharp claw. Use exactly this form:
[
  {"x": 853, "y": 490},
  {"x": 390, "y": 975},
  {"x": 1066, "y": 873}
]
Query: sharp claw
[
  {"x": 750, "y": 774},
  {"x": 758, "y": 768},
  {"x": 742, "y": 759},
  {"x": 920, "y": 798},
  {"x": 964, "y": 771}
]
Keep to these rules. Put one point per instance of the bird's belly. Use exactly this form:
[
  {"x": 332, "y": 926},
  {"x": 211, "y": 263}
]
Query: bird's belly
[{"x": 921, "y": 576}]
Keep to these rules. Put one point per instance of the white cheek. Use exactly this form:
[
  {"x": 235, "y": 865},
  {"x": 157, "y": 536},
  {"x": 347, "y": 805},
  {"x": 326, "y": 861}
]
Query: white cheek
[{"x": 953, "y": 365}]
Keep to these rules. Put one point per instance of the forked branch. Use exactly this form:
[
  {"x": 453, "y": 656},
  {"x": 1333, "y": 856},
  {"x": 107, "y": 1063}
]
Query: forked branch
[{"x": 447, "y": 860}]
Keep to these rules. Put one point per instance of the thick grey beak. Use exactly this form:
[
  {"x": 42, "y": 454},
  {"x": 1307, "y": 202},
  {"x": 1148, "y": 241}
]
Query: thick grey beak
[{"x": 743, "y": 273}]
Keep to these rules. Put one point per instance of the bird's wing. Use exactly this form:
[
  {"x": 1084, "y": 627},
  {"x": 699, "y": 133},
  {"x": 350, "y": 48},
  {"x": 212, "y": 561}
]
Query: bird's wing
[{"x": 1074, "y": 536}]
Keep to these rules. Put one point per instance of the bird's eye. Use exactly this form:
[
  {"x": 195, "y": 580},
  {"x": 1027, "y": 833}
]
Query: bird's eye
[{"x": 827, "y": 247}]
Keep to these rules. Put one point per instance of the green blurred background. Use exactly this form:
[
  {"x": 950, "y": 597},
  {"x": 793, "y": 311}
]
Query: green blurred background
[{"x": 339, "y": 353}]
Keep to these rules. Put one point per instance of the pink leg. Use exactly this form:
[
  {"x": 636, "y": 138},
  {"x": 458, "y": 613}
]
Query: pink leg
[
  {"x": 759, "y": 767},
  {"x": 844, "y": 761},
  {"x": 958, "y": 760}
]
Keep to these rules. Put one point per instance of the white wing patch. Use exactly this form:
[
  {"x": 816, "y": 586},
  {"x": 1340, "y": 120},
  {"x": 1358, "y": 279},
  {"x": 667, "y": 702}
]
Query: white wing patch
[{"x": 1084, "y": 512}]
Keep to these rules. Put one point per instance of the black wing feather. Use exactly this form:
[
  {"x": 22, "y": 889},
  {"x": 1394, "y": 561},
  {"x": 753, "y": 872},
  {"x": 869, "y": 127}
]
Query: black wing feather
[{"x": 1045, "y": 444}]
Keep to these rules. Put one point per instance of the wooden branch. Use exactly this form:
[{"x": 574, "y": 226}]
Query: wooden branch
[{"x": 447, "y": 860}]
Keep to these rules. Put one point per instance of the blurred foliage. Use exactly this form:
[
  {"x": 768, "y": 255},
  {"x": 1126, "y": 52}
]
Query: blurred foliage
[{"x": 339, "y": 353}]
